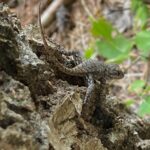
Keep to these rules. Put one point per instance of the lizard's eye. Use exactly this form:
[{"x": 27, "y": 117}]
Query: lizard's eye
[
  {"x": 120, "y": 74},
  {"x": 117, "y": 73}
]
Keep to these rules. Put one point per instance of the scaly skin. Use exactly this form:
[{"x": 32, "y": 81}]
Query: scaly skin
[{"x": 98, "y": 70}]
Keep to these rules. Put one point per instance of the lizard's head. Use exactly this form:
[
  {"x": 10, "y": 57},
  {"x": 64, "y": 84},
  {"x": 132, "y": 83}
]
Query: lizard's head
[{"x": 113, "y": 71}]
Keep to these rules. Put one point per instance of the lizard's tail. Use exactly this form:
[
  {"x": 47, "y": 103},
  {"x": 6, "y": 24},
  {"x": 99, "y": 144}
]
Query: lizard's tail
[{"x": 76, "y": 71}]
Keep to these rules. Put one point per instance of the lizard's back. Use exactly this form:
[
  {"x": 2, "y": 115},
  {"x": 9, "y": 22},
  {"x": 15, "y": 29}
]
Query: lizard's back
[{"x": 94, "y": 67}]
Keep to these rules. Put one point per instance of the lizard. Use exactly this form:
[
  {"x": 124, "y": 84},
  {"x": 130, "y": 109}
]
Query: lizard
[
  {"x": 95, "y": 70},
  {"x": 98, "y": 69}
]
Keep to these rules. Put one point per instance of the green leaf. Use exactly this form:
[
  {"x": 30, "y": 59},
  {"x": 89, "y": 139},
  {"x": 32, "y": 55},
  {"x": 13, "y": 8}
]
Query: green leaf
[
  {"x": 142, "y": 16},
  {"x": 141, "y": 12},
  {"x": 121, "y": 43},
  {"x": 129, "y": 102},
  {"x": 106, "y": 49},
  {"x": 115, "y": 50},
  {"x": 119, "y": 59},
  {"x": 142, "y": 40},
  {"x": 102, "y": 28},
  {"x": 144, "y": 108},
  {"x": 147, "y": 89},
  {"x": 137, "y": 86},
  {"x": 89, "y": 52}
]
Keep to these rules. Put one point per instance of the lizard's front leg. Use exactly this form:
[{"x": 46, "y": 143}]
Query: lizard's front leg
[
  {"x": 90, "y": 88},
  {"x": 89, "y": 101}
]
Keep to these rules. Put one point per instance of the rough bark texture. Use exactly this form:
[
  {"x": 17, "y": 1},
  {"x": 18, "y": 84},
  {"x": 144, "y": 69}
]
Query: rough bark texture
[{"x": 40, "y": 110}]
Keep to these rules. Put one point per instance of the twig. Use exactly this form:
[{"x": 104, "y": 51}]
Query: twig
[
  {"x": 49, "y": 13},
  {"x": 41, "y": 28},
  {"x": 87, "y": 10},
  {"x": 134, "y": 75},
  {"x": 147, "y": 73},
  {"x": 132, "y": 63},
  {"x": 118, "y": 10}
]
